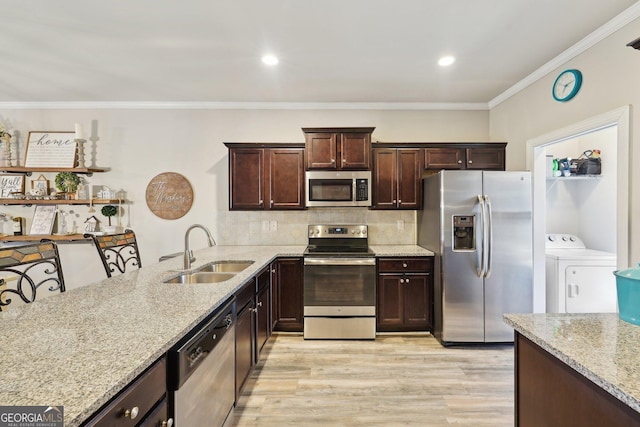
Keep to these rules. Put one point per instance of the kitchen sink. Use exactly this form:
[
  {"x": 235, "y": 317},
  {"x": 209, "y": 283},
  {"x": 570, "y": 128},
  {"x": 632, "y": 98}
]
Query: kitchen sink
[
  {"x": 200, "y": 277},
  {"x": 225, "y": 266}
]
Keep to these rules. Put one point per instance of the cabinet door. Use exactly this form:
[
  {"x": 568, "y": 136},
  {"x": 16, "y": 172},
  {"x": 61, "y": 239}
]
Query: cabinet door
[
  {"x": 263, "y": 309},
  {"x": 409, "y": 179},
  {"x": 389, "y": 317},
  {"x": 245, "y": 338},
  {"x": 417, "y": 302},
  {"x": 321, "y": 150},
  {"x": 444, "y": 158},
  {"x": 288, "y": 301},
  {"x": 286, "y": 178},
  {"x": 485, "y": 158},
  {"x": 355, "y": 151},
  {"x": 246, "y": 179},
  {"x": 384, "y": 178},
  {"x": 158, "y": 416}
]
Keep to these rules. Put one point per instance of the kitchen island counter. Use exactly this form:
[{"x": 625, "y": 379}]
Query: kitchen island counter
[
  {"x": 80, "y": 348},
  {"x": 599, "y": 347}
]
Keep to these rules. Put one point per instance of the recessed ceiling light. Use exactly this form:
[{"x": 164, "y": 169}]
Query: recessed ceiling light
[
  {"x": 445, "y": 61},
  {"x": 270, "y": 59}
]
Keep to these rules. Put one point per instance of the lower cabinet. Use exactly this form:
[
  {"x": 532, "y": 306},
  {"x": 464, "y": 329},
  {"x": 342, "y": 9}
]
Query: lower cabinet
[
  {"x": 143, "y": 402},
  {"x": 404, "y": 294},
  {"x": 287, "y": 283},
  {"x": 253, "y": 324}
]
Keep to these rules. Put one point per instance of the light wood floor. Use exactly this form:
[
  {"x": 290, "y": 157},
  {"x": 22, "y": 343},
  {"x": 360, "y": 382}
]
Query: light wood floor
[{"x": 392, "y": 381}]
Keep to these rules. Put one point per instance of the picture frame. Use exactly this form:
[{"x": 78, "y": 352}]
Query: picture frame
[
  {"x": 10, "y": 184},
  {"x": 41, "y": 183},
  {"x": 43, "y": 219},
  {"x": 51, "y": 149}
]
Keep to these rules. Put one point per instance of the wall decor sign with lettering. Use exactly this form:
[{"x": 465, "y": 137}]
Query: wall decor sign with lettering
[
  {"x": 169, "y": 195},
  {"x": 51, "y": 149},
  {"x": 10, "y": 184},
  {"x": 43, "y": 219}
]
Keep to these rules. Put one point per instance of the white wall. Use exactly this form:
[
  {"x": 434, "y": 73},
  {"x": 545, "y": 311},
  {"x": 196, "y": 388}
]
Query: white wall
[
  {"x": 610, "y": 71},
  {"x": 139, "y": 144}
]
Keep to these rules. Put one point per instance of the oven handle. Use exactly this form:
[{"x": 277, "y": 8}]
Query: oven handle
[{"x": 339, "y": 261}]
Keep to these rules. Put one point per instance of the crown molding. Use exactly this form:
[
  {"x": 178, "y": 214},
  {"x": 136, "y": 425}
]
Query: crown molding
[
  {"x": 189, "y": 105},
  {"x": 618, "y": 22}
]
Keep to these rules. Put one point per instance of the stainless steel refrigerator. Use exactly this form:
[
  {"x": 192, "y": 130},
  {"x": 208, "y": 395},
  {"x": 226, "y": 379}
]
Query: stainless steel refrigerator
[{"x": 479, "y": 224}]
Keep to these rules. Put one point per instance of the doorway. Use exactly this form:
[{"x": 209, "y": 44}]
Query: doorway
[{"x": 537, "y": 162}]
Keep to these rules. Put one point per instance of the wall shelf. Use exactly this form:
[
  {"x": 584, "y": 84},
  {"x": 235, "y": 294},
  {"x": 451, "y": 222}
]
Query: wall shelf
[
  {"x": 29, "y": 202},
  {"x": 29, "y": 171}
]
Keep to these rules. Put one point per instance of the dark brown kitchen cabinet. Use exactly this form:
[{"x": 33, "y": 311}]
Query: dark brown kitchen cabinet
[
  {"x": 245, "y": 334},
  {"x": 397, "y": 178},
  {"x": 266, "y": 177},
  {"x": 140, "y": 403},
  {"x": 287, "y": 284},
  {"x": 263, "y": 310},
  {"x": 489, "y": 156},
  {"x": 405, "y": 294},
  {"x": 338, "y": 148},
  {"x": 549, "y": 392}
]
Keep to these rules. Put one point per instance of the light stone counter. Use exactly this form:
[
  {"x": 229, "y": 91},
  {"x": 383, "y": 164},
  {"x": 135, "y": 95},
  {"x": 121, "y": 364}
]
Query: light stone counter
[
  {"x": 400, "y": 250},
  {"x": 78, "y": 349},
  {"x": 601, "y": 347}
]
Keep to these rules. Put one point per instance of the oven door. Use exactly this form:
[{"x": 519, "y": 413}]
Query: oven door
[{"x": 339, "y": 286}]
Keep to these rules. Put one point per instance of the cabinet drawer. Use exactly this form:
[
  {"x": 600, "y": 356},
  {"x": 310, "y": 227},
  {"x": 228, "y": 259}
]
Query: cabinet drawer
[
  {"x": 413, "y": 265},
  {"x": 245, "y": 295},
  {"x": 142, "y": 394}
]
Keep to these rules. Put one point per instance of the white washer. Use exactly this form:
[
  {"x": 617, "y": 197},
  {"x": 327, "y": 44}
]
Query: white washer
[{"x": 579, "y": 280}]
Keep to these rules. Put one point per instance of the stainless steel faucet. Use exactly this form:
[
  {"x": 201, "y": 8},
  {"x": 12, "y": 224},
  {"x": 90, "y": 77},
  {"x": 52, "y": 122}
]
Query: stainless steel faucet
[{"x": 188, "y": 253}]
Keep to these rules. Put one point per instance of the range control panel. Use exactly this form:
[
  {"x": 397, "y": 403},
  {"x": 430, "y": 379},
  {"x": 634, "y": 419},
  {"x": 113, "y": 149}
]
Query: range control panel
[{"x": 337, "y": 231}]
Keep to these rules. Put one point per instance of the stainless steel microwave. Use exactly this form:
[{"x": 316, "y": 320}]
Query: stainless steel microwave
[{"x": 339, "y": 188}]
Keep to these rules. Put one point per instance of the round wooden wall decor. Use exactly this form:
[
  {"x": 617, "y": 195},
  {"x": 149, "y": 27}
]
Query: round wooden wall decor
[{"x": 169, "y": 195}]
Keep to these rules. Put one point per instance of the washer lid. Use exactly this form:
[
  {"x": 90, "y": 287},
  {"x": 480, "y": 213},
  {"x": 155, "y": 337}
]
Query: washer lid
[{"x": 581, "y": 254}]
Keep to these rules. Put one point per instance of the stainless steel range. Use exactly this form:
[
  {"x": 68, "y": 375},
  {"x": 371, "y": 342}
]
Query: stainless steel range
[{"x": 339, "y": 283}]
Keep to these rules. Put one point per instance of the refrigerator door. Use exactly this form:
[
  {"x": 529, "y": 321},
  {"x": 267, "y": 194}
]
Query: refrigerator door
[
  {"x": 462, "y": 294},
  {"x": 508, "y": 287}
]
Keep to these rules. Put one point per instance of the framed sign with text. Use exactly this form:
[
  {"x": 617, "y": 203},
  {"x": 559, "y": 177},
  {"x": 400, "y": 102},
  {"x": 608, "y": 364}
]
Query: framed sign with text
[
  {"x": 50, "y": 149},
  {"x": 11, "y": 184},
  {"x": 169, "y": 195}
]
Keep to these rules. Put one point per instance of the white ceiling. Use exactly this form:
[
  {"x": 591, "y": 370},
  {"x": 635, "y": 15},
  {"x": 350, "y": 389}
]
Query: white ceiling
[{"x": 349, "y": 51}]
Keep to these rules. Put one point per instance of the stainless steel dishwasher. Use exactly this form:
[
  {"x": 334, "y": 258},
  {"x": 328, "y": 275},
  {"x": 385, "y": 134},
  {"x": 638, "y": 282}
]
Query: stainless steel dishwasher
[{"x": 202, "y": 372}]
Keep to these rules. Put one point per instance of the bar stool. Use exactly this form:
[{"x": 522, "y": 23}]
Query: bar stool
[
  {"x": 117, "y": 251},
  {"x": 31, "y": 266}
]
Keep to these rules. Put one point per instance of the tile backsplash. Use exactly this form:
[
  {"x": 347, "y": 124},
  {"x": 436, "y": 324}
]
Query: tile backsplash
[{"x": 290, "y": 227}]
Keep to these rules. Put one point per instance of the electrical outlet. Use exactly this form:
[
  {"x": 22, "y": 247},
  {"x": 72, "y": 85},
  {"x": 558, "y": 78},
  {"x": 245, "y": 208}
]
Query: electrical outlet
[
  {"x": 265, "y": 225},
  {"x": 400, "y": 224},
  {"x": 274, "y": 226}
]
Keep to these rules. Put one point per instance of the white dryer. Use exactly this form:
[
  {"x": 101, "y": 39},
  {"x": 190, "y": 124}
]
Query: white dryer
[{"x": 579, "y": 280}]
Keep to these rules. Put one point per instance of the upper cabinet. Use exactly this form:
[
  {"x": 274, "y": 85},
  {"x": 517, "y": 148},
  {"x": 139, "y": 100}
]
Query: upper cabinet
[
  {"x": 266, "y": 176},
  {"x": 489, "y": 156},
  {"x": 338, "y": 148},
  {"x": 397, "y": 178}
]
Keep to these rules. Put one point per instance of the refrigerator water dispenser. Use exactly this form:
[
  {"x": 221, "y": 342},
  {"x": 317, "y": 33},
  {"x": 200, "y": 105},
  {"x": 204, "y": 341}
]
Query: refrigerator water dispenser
[{"x": 463, "y": 233}]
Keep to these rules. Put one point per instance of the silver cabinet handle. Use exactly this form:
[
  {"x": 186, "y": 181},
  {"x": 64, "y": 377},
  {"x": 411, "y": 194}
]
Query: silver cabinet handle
[
  {"x": 401, "y": 280},
  {"x": 344, "y": 160},
  {"x": 168, "y": 423},
  {"x": 259, "y": 304},
  {"x": 404, "y": 265},
  {"x": 333, "y": 161},
  {"x": 459, "y": 161},
  {"x": 271, "y": 203},
  {"x": 132, "y": 413},
  {"x": 470, "y": 161}
]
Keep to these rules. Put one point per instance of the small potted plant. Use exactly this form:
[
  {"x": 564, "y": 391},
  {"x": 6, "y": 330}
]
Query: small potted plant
[
  {"x": 109, "y": 211},
  {"x": 67, "y": 182}
]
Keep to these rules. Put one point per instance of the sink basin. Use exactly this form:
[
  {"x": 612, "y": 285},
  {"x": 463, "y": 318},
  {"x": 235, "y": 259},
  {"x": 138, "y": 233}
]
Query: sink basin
[
  {"x": 200, "y": 277},
  {"x": 225, "y": 266}
]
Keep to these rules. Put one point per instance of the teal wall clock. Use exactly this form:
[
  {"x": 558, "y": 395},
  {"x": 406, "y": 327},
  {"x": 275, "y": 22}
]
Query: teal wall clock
[{"x": 567, "y": 85}]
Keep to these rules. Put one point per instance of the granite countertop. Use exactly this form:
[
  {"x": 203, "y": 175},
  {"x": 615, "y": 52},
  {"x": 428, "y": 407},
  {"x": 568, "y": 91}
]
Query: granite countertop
[
  {"x": 78, "y": 349},
  {"x": 601, "y": 347}
]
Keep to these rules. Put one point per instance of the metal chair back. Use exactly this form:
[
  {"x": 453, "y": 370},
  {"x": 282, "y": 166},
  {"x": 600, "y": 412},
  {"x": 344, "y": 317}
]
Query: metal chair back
[
  {"x": 117, "y": 251},
  {"x": 30, "y": 267}
]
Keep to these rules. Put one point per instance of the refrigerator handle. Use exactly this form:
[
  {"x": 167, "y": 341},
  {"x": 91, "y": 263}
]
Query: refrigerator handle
[
  {"x": 489, "y": 229},
  {"x": 480, "y": 253}
]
